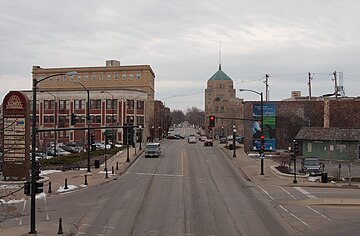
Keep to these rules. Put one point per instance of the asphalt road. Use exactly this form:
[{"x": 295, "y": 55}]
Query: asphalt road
[{"x": 195, "y": 190}]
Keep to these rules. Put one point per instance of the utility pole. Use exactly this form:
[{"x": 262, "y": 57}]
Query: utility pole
[
  {"x": 336, "y": 87},
  {"x": 267, "y": 86},
  {"x": 309, "y": 84}
]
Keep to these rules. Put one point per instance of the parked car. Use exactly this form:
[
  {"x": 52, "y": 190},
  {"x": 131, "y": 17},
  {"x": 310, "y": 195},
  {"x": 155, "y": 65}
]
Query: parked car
[
  {"x": 203, "y": 138},
  {"x": 223, "y": 140},
  {"x": 152, "y": 150},
  {"x": 208, "y": 142},
  {"x": 311, "y": 165}
]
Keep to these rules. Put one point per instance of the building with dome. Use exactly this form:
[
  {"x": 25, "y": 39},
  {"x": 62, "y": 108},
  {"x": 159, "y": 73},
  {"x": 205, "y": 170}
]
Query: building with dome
[{"x": 221, "y": 102}]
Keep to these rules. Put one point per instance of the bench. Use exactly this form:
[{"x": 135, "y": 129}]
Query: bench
[{"x": 71, "y": 166}]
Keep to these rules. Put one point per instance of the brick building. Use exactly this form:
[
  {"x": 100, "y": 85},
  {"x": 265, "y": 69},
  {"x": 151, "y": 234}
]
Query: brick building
[
  {"x": 118, "y": 95},
  {"x": 221, "y": 102}
]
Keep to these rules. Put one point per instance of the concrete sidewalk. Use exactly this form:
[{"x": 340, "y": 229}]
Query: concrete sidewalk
[{"x": 250, "y": 167}]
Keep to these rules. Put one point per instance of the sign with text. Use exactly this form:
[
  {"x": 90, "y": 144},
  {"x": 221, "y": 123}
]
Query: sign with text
[{"x": 16, "y": 136}]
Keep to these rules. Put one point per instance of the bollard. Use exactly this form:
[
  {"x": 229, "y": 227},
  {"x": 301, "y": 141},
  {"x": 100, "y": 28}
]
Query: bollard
[
  {"x": 66, "y": 187},
  {"x": 86, "y": 183},
  {"x": 117, "y": 165},
  {"x": 112, "y": 169},
  {"x": 60, "y": 231},
  {"x": 339, "y": 171},
  {"x": 50, "y": 191}
]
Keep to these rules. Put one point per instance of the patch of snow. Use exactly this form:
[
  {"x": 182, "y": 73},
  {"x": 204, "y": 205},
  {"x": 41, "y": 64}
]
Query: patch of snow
[
  {"x": 47, "y": 172},
  {"x": 9, "y": 186},
  {"x": 11, "y": 201},
  {"x": 40, "y": 196},
  {"x": 70, "y": 187}
]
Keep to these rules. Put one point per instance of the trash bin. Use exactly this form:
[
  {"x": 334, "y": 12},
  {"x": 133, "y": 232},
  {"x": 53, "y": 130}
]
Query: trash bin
[
  {"x": 324, "y": 178},
  {"x": 97, "y": 164},
  {"x": 231, "y": 146}
]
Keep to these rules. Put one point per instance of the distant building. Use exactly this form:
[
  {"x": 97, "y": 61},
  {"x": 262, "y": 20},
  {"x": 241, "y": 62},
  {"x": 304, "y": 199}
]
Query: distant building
[
  {"x": 162, "y": 120},
  {"x": 118, "y": 95},
  {"x": 221, "y": 102}
]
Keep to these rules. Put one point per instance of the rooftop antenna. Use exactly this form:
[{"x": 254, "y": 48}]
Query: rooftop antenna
[{"x": 220, "y": 56}]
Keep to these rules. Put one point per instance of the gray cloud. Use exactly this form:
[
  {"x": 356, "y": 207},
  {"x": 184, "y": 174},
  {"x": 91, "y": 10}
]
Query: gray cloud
[{"x": 180, "y": 40}]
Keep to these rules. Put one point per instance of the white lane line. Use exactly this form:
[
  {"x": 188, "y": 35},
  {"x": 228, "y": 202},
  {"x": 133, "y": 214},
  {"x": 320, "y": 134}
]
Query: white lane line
[
  {"x": 151, "y": 174},
  {"x": 322, "y": 215},
  {"x": 287, "y": 192},
  {"x": 293, "y": 215},
  {"x": 266, "y": 193},
  {"x": 301, "y": 190}
]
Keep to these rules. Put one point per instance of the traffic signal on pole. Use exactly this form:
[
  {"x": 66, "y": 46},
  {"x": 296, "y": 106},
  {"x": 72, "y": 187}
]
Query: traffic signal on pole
[
  {"x": 296, "y": 147},
  {"x": 39, "y": 187},
  {"x": 37, "y": 171},
  {"x": 73, "y": 119},
  {"x": 262, "y": 142},
  {"x": 27, "y": 188},
  {"x": 212, "y": 121},
  {"x": 125, "y": 135},
  {"x": 92, "y": 142}
]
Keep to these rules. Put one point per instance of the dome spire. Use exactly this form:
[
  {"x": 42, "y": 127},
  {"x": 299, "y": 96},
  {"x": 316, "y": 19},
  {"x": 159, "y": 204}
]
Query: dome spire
[{"x": 220, "y": 56}]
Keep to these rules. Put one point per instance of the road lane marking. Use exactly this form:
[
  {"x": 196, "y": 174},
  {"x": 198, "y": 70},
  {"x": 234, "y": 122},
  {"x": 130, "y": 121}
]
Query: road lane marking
[
  {"x": 301, "y": 190},
  {"x": 24, "y": 206},
  {"x": 322, "y": 215},
  {"x": 293, "y": 215},
  {"x": 287, "y": 192},
  {"x": 153, "y": 174},
  {"x": 266, "y": 193},
  {"x": 183, "y": 158}
]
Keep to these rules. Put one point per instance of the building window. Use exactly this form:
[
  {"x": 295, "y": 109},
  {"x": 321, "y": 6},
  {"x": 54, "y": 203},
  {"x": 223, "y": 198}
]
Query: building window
[
  {"x": 130, "y": 119},
  {"x": 64, "y": 78},
  {"x": 222, "y": 109},
  {"x": 95, "y": 104},
  {"x": 63, "y": 120},
  {"x": 86, "y": 77},
  {"x": 130, "y": 104},
  {"x": 108, "y": 77},
  {"x": 140, "y": 105},
  {"x": 140, "y": 120},
  {"x": 49, "y": 104},
  {"x": 64, "y": 134},
  {"x": 131, "y": 76},
  {"x": 48, "y": 119},
  {"x": 57, "y": 78},
  {"x": 96, "y": 119},
  {"x": 93, "y": 77},
  {"x": 309, "y": 147},
  {"x": 71, "y": 78},
  {"x": 79, "y": 104},
  {"x": 116, "y": 77},
  {"x": 138, "y": 76},
  {"x": 64, "y": 104},
  {"x": 110, "y": 104},
  {"x": 100, "y": 77},
  {"x": 123, "y": 76}
]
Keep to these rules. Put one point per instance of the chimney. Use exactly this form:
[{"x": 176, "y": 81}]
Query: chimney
[
  {"x": 111, "y": 63},
  {"x": 326, "y": 113}
]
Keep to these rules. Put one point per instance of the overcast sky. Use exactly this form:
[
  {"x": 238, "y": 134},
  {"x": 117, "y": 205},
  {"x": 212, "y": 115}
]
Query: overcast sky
[{"x": 180, "y": 40}]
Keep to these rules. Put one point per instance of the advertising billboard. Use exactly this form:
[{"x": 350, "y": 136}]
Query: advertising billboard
[{"x": 269, "y": 119}]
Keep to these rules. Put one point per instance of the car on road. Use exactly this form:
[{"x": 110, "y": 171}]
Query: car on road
[
  {"x": 203, "y": 138},
  {"x": 311, "y": 165},
  {"x": 192, "y": 139},
  {"x": 152, "y": 150},
  {"x": 208, "y": 142},
  {"x": 223, "y": 140}
]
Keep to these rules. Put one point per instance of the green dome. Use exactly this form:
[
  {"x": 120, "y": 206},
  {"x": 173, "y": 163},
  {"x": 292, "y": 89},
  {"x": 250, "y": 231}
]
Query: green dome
[{"x": 220, "y": 75}]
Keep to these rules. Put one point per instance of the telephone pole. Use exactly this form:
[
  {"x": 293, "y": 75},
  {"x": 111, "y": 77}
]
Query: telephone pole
[
  {"x": 336, "y": 86},
  {"x": 309, "y": 83},
  {"x": 267, "y": 86}
]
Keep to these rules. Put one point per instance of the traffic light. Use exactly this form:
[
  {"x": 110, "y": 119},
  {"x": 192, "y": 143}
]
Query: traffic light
[
  {"x": 27, "y": 188},
  {"x": 125, "y": 135},
  {"x": 296, "y": 147},
  {"x": 37, "y": 171},
  {"x": 39, "y": 187},
  {"x": 212, "y": 121},
  {"x": 92, "y": 142},
  {"x": 73, "y": 119},
  {"x": 262, "y": 143}
]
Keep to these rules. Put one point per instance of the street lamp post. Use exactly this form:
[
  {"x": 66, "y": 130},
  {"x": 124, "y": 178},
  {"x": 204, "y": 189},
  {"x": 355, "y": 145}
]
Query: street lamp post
[
  {"x": 33, "y": 147},
  {"x": 234, "y": 134},
  {"x": 88, "y": 124},
  {"x": 112, "y": 117},
  {"x": 140, "y": 129},
  {"x": 261, "y": 127}
]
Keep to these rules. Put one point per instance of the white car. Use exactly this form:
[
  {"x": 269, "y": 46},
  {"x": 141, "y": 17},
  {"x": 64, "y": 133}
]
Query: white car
[{"x": 192, "y": 139}]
